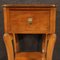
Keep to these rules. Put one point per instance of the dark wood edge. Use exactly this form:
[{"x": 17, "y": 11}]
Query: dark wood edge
[{"x": 30, "y": 5}]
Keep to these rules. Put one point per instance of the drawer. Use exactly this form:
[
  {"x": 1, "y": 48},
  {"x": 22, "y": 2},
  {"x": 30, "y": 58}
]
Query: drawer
[{"x": 29, "y": 21}]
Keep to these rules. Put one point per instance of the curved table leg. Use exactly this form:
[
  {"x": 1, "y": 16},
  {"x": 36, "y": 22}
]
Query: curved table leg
[
  {"x": 9, "y": 47},
  {"x": 50, "y": 47}
]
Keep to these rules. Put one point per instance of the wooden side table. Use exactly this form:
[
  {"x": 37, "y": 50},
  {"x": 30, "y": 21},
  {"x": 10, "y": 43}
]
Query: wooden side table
[{"x": 29, "y": 31}]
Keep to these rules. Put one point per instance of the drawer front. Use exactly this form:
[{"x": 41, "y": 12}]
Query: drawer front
[{"x": 29, "y": 21}]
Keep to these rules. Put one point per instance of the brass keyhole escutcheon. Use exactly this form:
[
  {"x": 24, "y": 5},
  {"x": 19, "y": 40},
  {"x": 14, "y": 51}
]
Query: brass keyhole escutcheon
[{"x": 30, "y": 20}]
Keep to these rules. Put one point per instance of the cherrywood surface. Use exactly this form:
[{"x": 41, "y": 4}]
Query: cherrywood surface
[
  {"x": 9, "y": 48},
  {"x": 28, "y": 56},
  {"x": 19, "y": 20},
  {"x": 16, "y": 22},
  {"x": 30, "y": 5},
  {"x": 51, "y": 45},
  {"x": 16, "y": 19}
]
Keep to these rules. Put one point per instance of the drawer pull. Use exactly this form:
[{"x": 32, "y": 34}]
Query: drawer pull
[{"x": 30, "y": 20}]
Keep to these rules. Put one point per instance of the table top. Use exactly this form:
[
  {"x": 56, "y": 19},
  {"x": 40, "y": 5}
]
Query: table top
[{"x": 29, "y": 5}]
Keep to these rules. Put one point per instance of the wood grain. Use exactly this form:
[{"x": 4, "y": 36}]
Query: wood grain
[
  {"x": 19, "y": 21},
  {"x": 29, "y": 56},
  {"x": 50, "y": 47},
  {"x": 16, "y": 22},
  {"x": 8, "y": 43}
]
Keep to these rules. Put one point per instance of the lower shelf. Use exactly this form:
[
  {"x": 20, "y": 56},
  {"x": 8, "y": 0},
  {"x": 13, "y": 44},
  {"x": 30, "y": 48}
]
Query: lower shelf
[{"x": 28, "y": 56}]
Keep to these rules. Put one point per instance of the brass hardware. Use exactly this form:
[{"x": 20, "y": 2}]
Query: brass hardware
[{"x": 30, "y": 20}]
